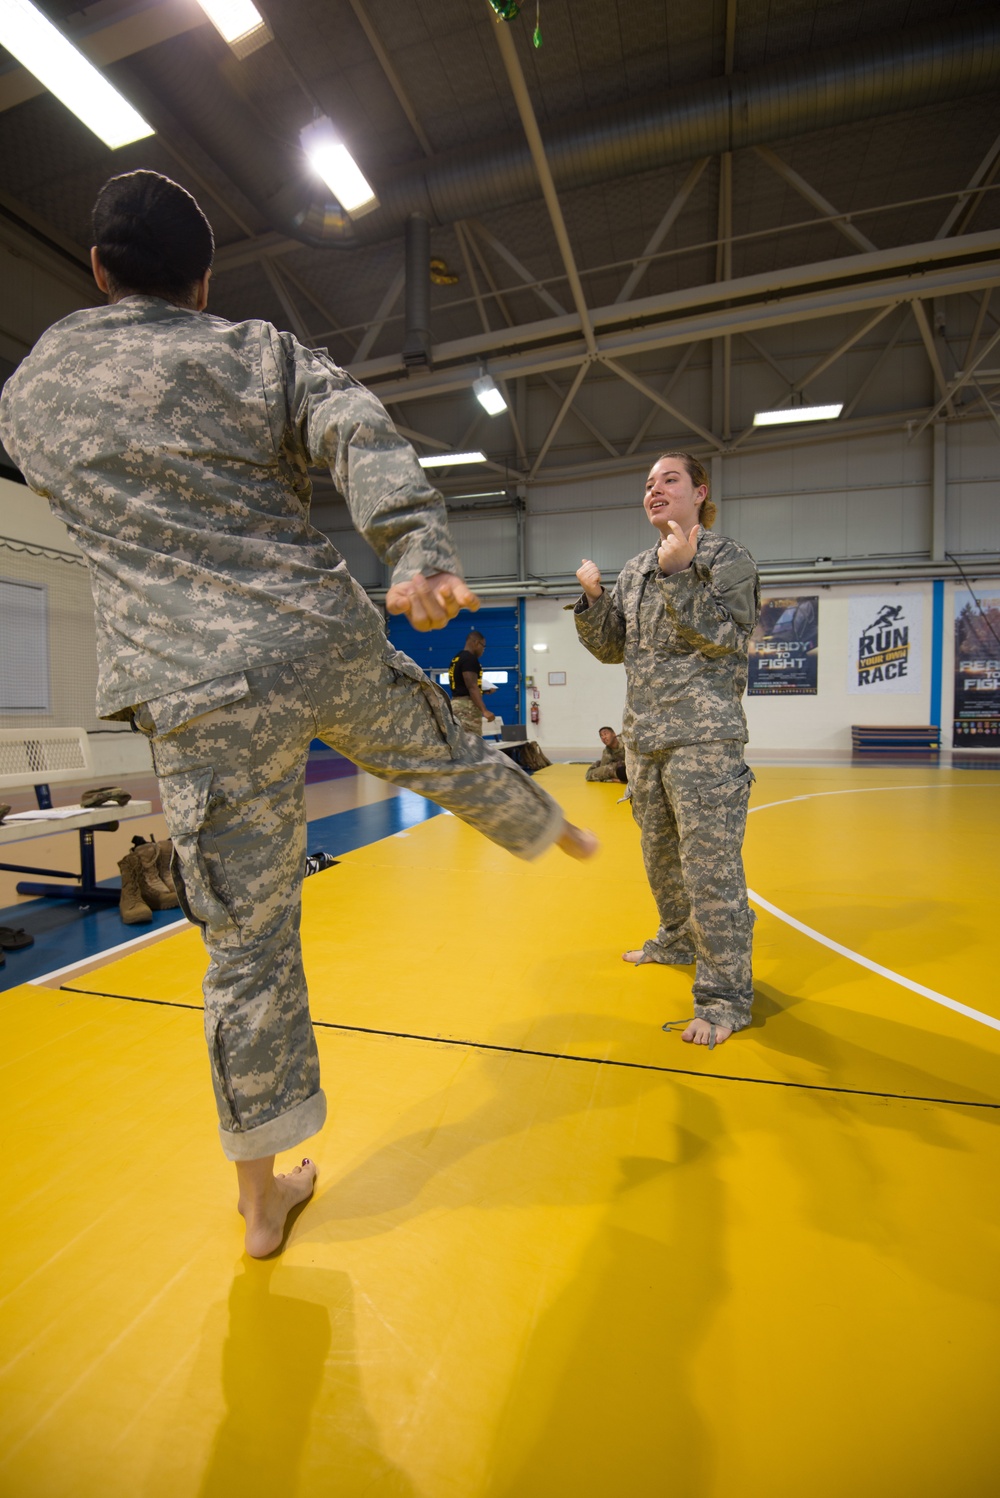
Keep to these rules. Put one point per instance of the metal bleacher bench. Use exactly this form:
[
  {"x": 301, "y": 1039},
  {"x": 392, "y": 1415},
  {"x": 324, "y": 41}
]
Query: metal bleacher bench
[
  {"x": 890, "y": 741},
  {"x": 41, "y": 757}
]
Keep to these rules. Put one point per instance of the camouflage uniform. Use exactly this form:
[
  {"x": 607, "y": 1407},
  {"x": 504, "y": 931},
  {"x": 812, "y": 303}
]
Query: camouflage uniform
[
  {"x": 176, "y": 447},
  {"x": 606, "y": 768},
  {"x": 683, "y": 639},
  {"x": 468, "y": 714}
]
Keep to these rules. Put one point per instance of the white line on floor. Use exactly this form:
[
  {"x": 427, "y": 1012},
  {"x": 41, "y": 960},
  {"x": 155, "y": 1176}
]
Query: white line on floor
[
  {"x": 98, "y": 959},
  {"x": 836, "y": 946}
]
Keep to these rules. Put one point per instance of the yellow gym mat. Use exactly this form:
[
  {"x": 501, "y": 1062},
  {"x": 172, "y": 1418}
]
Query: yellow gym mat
[{"x": 553, "y": 1250}]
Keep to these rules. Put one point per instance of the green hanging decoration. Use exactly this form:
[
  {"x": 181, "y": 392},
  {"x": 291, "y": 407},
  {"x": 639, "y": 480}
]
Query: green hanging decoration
[
  {"x": 507, "y": 10},
  {"x": 537, "y": 36}
]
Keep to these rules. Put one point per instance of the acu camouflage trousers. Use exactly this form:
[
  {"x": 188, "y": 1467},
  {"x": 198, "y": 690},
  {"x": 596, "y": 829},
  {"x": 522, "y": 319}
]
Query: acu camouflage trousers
[
  {"x": 231, "y": 778},
  {"x": 691, "y": 804},
  {"x": 467, "y": 713}
]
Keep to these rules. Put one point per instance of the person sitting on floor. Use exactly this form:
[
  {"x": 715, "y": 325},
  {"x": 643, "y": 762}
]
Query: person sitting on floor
[{"x": 611, "y": 765}]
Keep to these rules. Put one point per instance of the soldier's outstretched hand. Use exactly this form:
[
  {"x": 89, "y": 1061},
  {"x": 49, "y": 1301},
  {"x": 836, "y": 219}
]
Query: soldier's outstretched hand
[
  {"x": 429, "y": 602},
  {"x": 588, "y": 575},
  {"x": 677, "y": 550}
]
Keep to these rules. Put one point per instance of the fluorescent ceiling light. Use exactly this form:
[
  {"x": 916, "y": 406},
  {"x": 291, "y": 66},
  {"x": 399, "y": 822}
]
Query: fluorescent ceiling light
[
  {"x": 797, "y": 413},
  {"x": 539, "y": 647},
  {"x": 446, "y": 460},
  {"x": 332, "y": 161},
  {"x": 238, "y": 22},
  {"x": 43, "y": 50},
  {"x": 488, "y": 395}
]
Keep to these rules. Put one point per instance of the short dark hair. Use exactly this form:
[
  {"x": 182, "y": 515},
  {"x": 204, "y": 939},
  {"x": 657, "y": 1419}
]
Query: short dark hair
[
  {"x": 151, "y": 236},
  {"x": 475, "y": 634},
  {"x": 605, "y": 728}
]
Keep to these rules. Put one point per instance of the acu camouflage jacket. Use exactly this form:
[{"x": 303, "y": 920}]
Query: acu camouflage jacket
[
  {"x": 176, "y": 448},
  {"x": 683, "y": 640}
]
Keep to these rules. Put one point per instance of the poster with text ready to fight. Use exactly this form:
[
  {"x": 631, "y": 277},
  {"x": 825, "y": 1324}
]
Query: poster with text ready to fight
[
  {"x": 784, "y": 648},
  {"x": 885, "y": 644},
  {"x": 977, "y": 671}
]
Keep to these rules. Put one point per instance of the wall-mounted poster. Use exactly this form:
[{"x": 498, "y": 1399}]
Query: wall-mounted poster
[
  {"x": 784, "y": 648},
  {"x": 977, "y": 671},
  {"x": 885, "y": 644}
]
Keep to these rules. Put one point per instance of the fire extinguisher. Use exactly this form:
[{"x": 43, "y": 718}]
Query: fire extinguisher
[{"x": 534, "y": 712}]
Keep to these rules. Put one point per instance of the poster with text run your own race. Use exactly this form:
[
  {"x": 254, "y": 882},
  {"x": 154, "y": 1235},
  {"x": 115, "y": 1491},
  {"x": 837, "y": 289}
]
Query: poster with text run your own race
[{"x": 885, "y": 644}]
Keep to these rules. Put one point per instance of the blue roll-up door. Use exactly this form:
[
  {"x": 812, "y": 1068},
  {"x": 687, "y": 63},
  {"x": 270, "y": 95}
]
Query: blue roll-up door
[{"x": 435, "y": 650}]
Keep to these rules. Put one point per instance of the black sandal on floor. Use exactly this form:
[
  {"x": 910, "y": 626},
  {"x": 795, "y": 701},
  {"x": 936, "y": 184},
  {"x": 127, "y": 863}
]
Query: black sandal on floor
[{"x": 11, "y": 940}]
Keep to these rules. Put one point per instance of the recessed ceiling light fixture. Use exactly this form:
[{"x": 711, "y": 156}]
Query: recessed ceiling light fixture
[
  {"x": 488, "y": 396},
  {"x": 797, "y": 413},
  {"x": 64, "y": 71},
  {"x": 239, "y": 23},
  {"x": 332, "y": 161},
  {"x": 448, "y": 460}
]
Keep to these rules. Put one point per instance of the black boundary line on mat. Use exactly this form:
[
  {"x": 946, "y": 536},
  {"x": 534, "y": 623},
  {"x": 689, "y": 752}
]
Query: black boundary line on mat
[{"x": 514, "y": 1050}]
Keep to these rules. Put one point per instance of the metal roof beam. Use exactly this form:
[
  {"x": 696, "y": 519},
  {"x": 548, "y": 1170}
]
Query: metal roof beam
[
  {"x": 663, "y": 228},
  {"x": 508, "y": 52},
  {"x": 839, "y": 221},
  {"x": 765, "y": 286}
]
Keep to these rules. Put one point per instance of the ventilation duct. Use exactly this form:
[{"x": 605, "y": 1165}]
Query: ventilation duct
[{"x": 883, "y": 75}]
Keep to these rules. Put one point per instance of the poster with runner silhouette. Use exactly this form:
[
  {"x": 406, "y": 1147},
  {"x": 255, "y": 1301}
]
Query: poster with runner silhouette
[
  {"x": 784, "y": 648},
  {"x": 977, "y": 670},
  {"x": 885, "y": 644}
]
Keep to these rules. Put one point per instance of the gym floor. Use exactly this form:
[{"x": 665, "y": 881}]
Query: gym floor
[{"x": 553, "y": 1251}]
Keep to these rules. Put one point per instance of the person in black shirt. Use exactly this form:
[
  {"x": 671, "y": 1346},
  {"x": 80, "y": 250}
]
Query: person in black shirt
[{"x": 465, "y": 677}]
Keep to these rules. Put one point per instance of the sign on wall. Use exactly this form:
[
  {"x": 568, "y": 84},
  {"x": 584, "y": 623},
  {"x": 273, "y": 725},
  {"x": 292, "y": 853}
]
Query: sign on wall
[
  {"x": 784, "y": 648},
  {"x": 885, "y": 644},
  {"x": 977, "y": 671}
]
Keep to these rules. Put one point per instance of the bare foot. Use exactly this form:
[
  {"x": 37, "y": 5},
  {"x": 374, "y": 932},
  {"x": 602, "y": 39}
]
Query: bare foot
[
  {"x": 577, "y": 841},
  {"x": 266, "y": 1205},
  {"x": 633, "y": 956},
  {"x": 700, "y": 1032}
]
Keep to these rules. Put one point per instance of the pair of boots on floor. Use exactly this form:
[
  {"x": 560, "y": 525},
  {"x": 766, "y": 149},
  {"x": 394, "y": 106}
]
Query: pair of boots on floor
[{"x": 146, "y": 881}]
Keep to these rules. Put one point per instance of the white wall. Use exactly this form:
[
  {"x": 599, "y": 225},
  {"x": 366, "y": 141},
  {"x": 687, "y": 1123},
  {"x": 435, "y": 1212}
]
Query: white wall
[
  {"x": 26, "y": 519},
  {"x": 594, "y": 694}
]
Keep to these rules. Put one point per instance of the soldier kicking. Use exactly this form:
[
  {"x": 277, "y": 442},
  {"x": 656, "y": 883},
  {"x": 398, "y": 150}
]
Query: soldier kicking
[
  {"x": 176, "y": 448},
  {"x": 680, "y": 617}
]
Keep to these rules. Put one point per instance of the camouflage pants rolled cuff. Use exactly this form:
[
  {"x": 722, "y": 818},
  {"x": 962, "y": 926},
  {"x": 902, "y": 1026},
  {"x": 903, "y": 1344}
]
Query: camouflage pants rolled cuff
[
  {"x": 603, "y": 773},
  {"x": 679, "y": 953},
  {"x": 231, "y": 770},
  {"x": 690, "y": 803},
  {"x": 286, "y": 1131},
  {"x": 730, "y": 1015},
  {"x": 468, "y": 715}
]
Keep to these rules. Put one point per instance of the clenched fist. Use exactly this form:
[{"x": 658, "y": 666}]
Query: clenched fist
[{"x": 588, "y": 575}]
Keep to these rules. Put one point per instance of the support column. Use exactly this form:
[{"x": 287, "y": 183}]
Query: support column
[
  {"x": 939, "y": 490},
  {"x": 715, "y": 475}
]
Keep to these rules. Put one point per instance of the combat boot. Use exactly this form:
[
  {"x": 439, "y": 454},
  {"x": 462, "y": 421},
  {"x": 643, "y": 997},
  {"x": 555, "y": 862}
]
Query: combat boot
[
  {"x": 157, "y": 894},
  {"x": 164, "y": 857},
  {"x": 133, "y": 907}
]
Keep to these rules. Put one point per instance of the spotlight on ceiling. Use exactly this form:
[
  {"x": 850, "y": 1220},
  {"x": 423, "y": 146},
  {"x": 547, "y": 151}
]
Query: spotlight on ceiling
[
  {"x": 797, "y": 413},
  {"x": 488, "y": 395},
  {"x": 43, "y": 50},
  {"x": 448, "y": 460},
  {"x": 239, "y": 23},
  {"x": 332, "y": 161}
]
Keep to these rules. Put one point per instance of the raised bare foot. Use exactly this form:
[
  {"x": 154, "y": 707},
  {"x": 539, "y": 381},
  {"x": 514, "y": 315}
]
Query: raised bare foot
[
  {"x": 577, "y": 841},
  {"x": 700, "y": 1032},
  {"x": 634, "y": 956},
  {"x": 266, "y": 1211}
]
